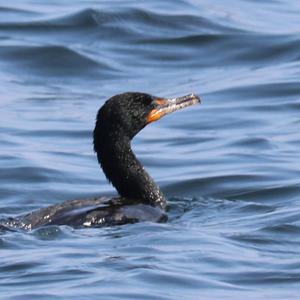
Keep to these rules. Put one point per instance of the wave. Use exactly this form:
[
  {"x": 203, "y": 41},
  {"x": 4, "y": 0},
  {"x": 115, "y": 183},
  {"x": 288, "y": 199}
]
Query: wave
[
  {"x": 58, "y": 60},
  {"x": 124, "y": 17}
]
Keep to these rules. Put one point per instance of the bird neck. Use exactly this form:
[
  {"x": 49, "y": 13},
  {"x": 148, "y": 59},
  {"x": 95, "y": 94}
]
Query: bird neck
[{"x": 124, "y": 170}]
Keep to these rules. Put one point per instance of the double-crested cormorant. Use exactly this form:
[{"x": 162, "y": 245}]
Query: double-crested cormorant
[{"x": 118, "y": 121}]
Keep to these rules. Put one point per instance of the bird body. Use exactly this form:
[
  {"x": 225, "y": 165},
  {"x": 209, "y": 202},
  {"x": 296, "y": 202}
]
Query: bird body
[{"x": 94, "y": 212}]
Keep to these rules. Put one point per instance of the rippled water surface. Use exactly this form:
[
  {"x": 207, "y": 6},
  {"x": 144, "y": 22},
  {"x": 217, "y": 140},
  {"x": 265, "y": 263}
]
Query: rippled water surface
[{"x": 229, "y": 167}]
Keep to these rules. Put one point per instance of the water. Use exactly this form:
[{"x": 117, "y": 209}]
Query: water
[{"x": 230, "y": 167}]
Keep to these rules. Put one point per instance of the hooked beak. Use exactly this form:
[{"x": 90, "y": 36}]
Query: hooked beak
[{"x": 166, "y": 106}]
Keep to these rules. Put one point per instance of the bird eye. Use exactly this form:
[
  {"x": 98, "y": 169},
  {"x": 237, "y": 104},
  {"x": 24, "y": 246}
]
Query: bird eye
[{"x": 154, "y": 104}]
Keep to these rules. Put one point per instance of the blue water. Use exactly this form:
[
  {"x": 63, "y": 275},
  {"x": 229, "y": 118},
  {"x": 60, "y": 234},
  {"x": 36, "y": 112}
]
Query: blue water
[{"x": 230, "y": 167}]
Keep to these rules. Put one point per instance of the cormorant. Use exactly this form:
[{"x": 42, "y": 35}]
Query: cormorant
[{"x": 118, "y": 121}]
